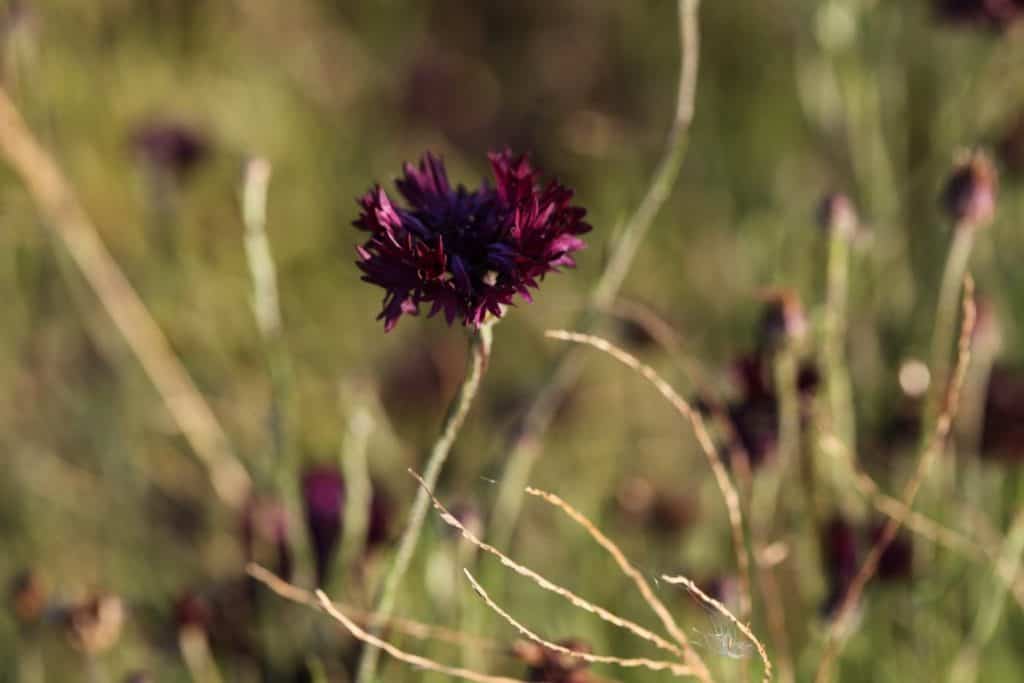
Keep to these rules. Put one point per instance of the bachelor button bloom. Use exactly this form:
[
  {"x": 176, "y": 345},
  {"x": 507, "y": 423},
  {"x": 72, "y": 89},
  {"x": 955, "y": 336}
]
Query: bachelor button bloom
[
  {"x": 466, "y": 252},
  {"x": 323, "y": 495},
  {"x": 970, "y": 193}
]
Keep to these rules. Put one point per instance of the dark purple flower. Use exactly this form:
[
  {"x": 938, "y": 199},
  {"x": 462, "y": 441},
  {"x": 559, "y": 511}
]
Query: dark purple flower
[
  {"x": 323, "y": 496},
  {"x": 466, "y": 253},
  {"x": 840, "y": 555},
  {"x": 265, "y": 535},
  {"x": 1002, "y": 435},
  {"x": 969, "y": 197},
  {"x": 1011, "y": 148},
  {"x": 171, "y": 147},
  {"x": 897, "y": 561},
  {"x": 998, "y": 14}
]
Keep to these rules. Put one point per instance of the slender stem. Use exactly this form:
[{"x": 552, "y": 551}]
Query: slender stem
[
  {"x": 945, "y": 321},
  {"x": 479, "y": 353},
  {"x": 358, "y": 487},
  {"x": 837, "y": 378},
  {"x": 67, "y": 219},
  {"x": 525, "y": 449},
  {"x": 965, "y": 666}
]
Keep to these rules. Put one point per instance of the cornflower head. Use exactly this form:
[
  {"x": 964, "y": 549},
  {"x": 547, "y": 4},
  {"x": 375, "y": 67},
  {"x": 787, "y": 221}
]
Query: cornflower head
[{"x": 466, "y": 253}]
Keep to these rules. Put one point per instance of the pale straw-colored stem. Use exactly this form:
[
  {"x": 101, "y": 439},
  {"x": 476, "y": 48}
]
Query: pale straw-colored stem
[
  {"x": 632, "y": 573},
  {"x": 407, "y": 627},
  {"x": 525, "y": 448},
  {"x": 627, "y": 663},
  {"x": 68, "y": 220},
  {"x": 837, "y": 633},
  {"x": 479, "y": 353},
  {"x": 376, "y": 644},
  {"x": 574, "y": 599},
  {"x": 724, "y": 611},
  {"x": 725, "y": 485}
]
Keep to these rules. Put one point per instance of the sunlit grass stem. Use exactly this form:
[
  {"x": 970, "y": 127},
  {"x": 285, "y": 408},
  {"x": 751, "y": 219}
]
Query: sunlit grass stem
[{"x": 479, "y": 353}]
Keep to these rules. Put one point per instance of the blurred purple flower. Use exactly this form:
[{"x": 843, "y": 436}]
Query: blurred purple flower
[
  {"x": 323, "y": 496},
  {"x": 170, "y": 147},
  {"x": 466, "y": 253},
  {"x": 897, "y": 561},
  {"x": 1002, "y": 435},
  {"x": 996, "y": 13},
  {"x": 550, "y": 666},
  {"x": 840, "y": 554}
]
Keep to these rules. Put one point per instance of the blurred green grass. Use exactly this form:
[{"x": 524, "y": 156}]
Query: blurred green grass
[{"x": 796, "y": 98}]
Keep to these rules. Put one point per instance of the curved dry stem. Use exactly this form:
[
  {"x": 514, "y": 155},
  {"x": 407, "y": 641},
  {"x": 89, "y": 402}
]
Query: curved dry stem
[
  {"x": 835, "y": 638},
  {"x": 401, "y": 655},
  {"x": 631, "y": 572},
  {"x": 634, "y": 663},
  {"x": 68, "y": 220},
  {"x": 725, "y": 485},
  {"x": 407, "y": 627},
  {"x": 724, "y": 611},
  {"x": 613, "y": 619},
  {"x": 525, "y": 448}
]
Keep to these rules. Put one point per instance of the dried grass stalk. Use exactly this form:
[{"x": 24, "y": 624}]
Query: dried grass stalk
[
  {"x": 653, "y": 665},
  {"x": 724, "y": 611},
  {"x": 407, "y": 627},
  {"x": 656, "y": 605},
  {"x": 403, "y": 656},
  {"x": 634, "y": 628},
  {"x": 725, "y": 485}
]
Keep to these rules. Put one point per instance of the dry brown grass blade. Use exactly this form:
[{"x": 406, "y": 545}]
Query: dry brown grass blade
[
  {"x": 634, "y": 663},
  {"x": 68, "y": 220},
  {"x": 634, "y": 628},
  {"x": 725, "y": 485},
  {"x": 835, "y": 638},
  {"x": 403, "y": 656},
  {"x": 724, "y": 611},
  {"x": 627, "y": 568},
  {"x": 407, "y": 627}
]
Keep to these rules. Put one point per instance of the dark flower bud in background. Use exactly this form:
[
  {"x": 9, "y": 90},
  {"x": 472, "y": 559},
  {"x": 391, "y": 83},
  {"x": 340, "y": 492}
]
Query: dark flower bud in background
[
  {"x": 897, "y": 561},
  {"x": 382, "y": 511},
  {"x": 171, "y": 148},
  {"x": 783, "y": 320},
  {"x": 265, "y": 536},
  {"x": 1011, "y": 148},
  {"x": 466, "y": 253},
  {"x": 469, "y": 515},
  {"x": 840, "y": 554},
  {"x": 969, "y": 197},
  {"x": 548, "y": 666},
  {"x": 1002, "y": 433},
  {"x": 94, "y": 625},
  {"x": 28, "y": 598},
  {"x": 323, "y": 498},
  {"x": 191, "y": 611},
  {"x": 640, "y": 503},
  {"x": 138, "y": 677},
  {"x": 998, "y": 14},
  {"x": 837, "y": 216}
]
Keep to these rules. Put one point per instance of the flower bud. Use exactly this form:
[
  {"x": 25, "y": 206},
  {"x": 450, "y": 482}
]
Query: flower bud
[
  {"x": 969, "y": 197},
  {"x": 837, "y": 216},
  {"x": 28, "y": 597}
]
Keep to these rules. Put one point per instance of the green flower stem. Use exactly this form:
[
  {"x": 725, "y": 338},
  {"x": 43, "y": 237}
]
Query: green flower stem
[
  {"x": 837, "y": 379},
  {"x": 945, "y": 321},
  {"x": 479, "y": 353}
]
